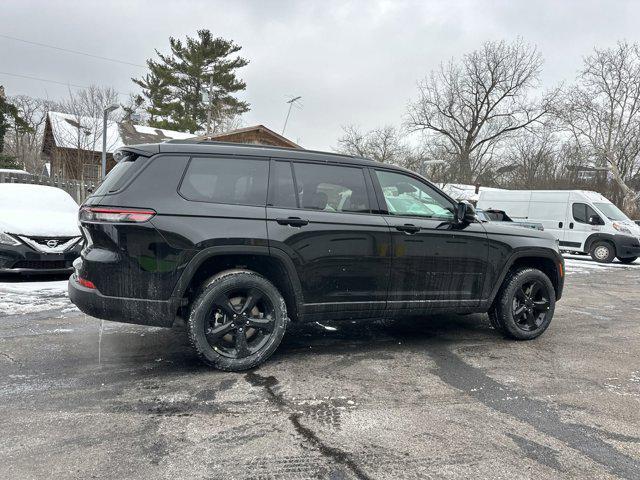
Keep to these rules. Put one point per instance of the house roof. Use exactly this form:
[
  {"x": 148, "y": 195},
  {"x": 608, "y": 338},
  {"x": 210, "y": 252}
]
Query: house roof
[
  {"x": 228, "y": 136},
  {"x": 74, "y": 131}
]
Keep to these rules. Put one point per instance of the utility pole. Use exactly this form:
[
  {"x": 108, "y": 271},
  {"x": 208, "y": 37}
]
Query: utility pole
[
  {"x": 210, "y": 104},
  {"x": 290, "y": 102}
]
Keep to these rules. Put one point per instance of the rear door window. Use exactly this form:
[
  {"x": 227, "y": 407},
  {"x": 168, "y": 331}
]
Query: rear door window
[
  {"x": 281, "y": 186},
  {"x": 236, "y": 181},
  {"x": 331, "y": 188}
]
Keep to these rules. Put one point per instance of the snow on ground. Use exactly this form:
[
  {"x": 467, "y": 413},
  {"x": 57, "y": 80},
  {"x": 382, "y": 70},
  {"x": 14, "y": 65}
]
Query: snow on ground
[
  {"x": 584, "y": 264},
  {"x": 21, "y": 297}
]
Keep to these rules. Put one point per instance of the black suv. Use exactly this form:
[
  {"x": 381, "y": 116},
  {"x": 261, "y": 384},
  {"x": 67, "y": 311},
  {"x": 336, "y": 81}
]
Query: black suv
[{"x": 238, "y": 240}]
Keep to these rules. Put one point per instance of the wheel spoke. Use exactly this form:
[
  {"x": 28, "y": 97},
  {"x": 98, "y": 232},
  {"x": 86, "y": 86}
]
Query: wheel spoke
[
  {"x": 541, "y": 305},
  {"x": 531, "y": 320},
  {"x": 223, "y": 303},
  {"x": 253, "y": 297},
  {"x": 242, "y": 348},
  {"x": 521, "y": 295},
  {"x": 533, "y": 291},
  {"x": 264, "y": 324},
  {"x": 215, "y": 333}
]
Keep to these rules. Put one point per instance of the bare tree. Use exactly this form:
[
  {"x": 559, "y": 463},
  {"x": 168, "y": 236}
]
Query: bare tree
[
  {"x": 25, "y": 146},
  {"x": 82, "y": 132},
  {"x": 468, "y": 108},
  {"x": 602, "y": 113},
  {"x": 383, "y": 144}
]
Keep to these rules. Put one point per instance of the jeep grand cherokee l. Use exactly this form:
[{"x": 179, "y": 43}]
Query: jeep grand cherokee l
[{"x": 238, "y": 240}]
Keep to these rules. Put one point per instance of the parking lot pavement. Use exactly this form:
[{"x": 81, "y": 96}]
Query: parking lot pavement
[{"x": 442, "y": 397}]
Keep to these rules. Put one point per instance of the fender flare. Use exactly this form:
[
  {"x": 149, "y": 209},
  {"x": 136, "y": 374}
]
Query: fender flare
[
  {"x": 538, "y": 252},
  {"x": 224, "y": 250}
]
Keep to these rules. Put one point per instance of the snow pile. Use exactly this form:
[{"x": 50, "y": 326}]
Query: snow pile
[
  {"x": 18, "y": 298},
  {"x": 37, "y": 210},
  {"x": 461, "y": 192}
]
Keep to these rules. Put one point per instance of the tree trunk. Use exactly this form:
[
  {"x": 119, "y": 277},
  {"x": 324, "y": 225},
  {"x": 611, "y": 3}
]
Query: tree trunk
[
  {"x": 464, "y": 168},
  {"x": 629, "y": 196}
]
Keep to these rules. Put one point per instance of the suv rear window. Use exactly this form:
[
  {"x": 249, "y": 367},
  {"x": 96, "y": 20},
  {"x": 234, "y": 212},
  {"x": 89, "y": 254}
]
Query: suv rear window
[
  {"x": 234, "y": 181},
  {"x": 118, "y": 175}
]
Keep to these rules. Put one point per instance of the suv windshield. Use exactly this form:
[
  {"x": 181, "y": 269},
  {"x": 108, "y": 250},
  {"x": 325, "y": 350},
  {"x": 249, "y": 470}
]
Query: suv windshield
[{"x": 611, "y": 211}]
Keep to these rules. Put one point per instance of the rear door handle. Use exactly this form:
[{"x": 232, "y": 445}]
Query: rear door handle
[
  {"x": 560, "y": 224},
  {"x": 293, "y": 221},
  {"x": 571, "y": 225},
  {"x": 408, "y": 228}
]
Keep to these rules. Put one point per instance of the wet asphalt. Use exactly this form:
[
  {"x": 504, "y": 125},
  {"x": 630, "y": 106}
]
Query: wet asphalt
[{"x": 440, "y": 397}]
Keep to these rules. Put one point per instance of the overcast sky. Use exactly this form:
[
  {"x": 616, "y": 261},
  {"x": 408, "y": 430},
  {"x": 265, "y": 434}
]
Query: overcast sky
[{"x": 353, "y": 62}]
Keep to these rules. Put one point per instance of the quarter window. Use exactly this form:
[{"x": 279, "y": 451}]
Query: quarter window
[
  {"x": 405, "y": 195},
  {"x": 226, "y": 180},
  {"x": 331, "y": 188}
]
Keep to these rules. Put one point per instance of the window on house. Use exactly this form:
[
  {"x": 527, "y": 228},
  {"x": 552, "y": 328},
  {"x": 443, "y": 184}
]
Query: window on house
[{"x": 90, "y": 171}]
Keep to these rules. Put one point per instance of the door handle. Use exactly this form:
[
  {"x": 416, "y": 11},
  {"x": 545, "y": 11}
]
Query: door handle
[
  {"x": 408, "y": 228},
  {"x": 571, "y": 225},
  {"x": 293, "y": 221},
  {"x": 560, "y": 224}
]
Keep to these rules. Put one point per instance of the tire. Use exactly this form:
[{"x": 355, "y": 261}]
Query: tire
[
  {"x": 628, "y": 259},
  {"x": 237, "y": 320},
  {"x": 525, "y": 305},
  {"x": 602, "y": 252}
]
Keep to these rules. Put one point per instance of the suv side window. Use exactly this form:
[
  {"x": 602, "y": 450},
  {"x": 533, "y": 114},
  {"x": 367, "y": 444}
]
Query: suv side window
[
  {"x": 404, "y": 195},
  {"x": 234, "y": 181},
  {"x": 331, "y": 188},
  {"x": 582, "y": 212},
  {"x": 281, "y": 186}
]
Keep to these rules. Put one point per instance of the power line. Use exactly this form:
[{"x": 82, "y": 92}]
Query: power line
[
  {"x": 72, "y": 51},
  {"x": 66, "y": 84}
]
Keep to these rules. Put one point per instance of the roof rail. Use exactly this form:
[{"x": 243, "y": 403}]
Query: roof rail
[{"x": 261, "y": 146}]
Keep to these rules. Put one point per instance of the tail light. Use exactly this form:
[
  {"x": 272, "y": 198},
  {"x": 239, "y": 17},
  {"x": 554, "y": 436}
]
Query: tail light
[
  {"x": 86, "y": 283},
  {"x": 115, "y": 214}
]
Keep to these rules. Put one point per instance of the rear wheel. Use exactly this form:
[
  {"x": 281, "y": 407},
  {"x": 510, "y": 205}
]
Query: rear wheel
[
  {"x": 628, "y": 259},
  {"x": 525, "y": 305},
  {"x": 603, "y": 252},
  {"x": 237, "y": 320}
]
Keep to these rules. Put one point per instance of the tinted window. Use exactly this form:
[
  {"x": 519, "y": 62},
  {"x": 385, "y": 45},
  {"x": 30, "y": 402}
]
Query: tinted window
[
  {"x": 331, "y": 188},
  {"x": 118, "y": 175},
  {"x": 283, "y": 193},
  {"x": 405, "y": 195},
  {"x": 226, "y": 180},
  {"x": 582, "y": 212}
]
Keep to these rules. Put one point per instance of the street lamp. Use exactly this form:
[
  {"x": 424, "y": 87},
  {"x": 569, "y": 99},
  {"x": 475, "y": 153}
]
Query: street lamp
[{"x": 105, "y": 114}]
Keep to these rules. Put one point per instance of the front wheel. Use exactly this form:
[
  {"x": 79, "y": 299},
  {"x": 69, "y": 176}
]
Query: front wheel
[
  {"x": 603, "y": 252},
  {"x": 628, "y": 259},
  {"x": 525, "y": 305},
  {"x": 237, "y": 320}
]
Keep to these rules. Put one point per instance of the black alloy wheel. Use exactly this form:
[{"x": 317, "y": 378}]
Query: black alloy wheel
[
  {"x": 530, "y": 305},
  {"x": 237, "y": 320},
  {"x": 240, "y": 323}
]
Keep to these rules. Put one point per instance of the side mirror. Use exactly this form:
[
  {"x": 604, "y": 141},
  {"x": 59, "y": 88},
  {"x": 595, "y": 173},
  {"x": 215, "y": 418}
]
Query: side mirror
[
  {"x": 595, "y": 220},
  {"x": 465, "y": 213}
]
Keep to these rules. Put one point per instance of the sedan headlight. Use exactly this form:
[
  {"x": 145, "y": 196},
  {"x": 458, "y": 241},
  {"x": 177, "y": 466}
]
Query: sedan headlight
[
  {"x": 6, "y": 239},
  {"x": 621, "y": 228}
]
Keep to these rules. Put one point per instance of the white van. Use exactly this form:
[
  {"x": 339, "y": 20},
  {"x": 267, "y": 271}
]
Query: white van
[{"x": 582, "y": 221}]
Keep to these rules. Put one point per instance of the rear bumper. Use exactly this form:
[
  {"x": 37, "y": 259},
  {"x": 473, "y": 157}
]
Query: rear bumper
[
  {"x": 627, "y": 246},
  {"x": 157, "y": 313}
]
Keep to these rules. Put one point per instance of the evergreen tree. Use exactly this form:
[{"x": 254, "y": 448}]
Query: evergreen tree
[
  {"x": 175, "y": 84},
  {"x": 9, "y": 119}
]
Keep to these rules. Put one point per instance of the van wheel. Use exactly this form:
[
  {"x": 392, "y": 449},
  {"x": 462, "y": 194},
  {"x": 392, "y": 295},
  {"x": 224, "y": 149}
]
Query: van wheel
[
  {"x": 628, "y": 259},
  {"x": 525, "y": 305},
  {"x": 237, "y": 320},
  {"x": 602, "y": 252}
]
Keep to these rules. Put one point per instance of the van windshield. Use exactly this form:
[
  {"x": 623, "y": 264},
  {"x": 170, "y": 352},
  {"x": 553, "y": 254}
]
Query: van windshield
[{"x": 611, "y": 211}]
